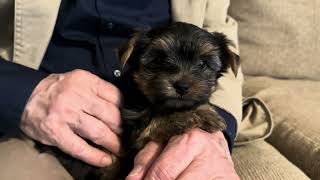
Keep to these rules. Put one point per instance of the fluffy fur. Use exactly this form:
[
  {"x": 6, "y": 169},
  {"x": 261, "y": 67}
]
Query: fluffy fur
[{"x": 170, "y": 75}]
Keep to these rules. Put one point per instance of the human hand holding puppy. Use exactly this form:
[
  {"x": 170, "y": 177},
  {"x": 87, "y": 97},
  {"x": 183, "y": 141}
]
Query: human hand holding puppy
[
  {"x": 194, "y": 155},
  {"x": 64, "y": 108},
  {"x": 176, "y": 91},
  {"x": 56, "y": 115}
]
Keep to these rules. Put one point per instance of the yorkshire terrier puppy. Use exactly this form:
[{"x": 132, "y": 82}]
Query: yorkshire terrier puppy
[{"x": 170, "y": 73}]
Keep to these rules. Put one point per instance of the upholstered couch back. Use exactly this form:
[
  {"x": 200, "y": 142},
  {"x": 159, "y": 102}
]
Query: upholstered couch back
[{"x": 279, "y": 38}]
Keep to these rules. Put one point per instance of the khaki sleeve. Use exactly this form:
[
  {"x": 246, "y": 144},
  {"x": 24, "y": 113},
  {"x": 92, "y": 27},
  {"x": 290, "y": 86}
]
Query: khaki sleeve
[
  {"x": 217, "y": 20},
  {"x": 212, "y": 16},
  {"x": 6, "y": 28}
]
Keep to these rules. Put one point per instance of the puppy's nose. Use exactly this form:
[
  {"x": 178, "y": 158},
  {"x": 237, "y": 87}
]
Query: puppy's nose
[{"x": 181, "y": 87}]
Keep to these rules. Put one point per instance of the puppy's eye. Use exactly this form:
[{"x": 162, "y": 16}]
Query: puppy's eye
[
  {"x": 212, "y": 63},
  {"x": 202, "y": 64},
  {"x": 162, "y": 65}
]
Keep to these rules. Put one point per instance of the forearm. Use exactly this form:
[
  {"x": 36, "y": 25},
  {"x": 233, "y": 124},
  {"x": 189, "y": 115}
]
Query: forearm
[{"x": 17, "y": 83}]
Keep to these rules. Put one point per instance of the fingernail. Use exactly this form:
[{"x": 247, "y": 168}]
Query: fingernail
[
  {"x": 106, "y": 161},
  {"x": 137, "y": 170}
]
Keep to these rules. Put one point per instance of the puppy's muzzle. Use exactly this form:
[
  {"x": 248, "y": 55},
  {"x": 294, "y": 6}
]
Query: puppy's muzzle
[{"x": 181, "y": 87}]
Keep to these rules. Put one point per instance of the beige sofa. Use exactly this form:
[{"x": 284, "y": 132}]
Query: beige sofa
[
  {"x": 279, "y": 46},
  {"x": 280, "y": 51}
]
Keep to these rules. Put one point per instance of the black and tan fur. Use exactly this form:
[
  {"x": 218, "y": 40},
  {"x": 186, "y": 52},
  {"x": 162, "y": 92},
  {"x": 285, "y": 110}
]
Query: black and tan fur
[{"x": 170, "y": 74}]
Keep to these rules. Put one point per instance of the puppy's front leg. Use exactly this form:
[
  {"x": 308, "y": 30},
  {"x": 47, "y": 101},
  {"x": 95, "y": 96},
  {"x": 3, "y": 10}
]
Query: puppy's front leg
[
  {"x": 162, "y": 128},
  {"x": 208, "y": 119}
]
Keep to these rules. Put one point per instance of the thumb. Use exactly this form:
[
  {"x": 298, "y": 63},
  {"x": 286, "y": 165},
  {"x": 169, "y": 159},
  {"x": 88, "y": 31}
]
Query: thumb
[{"x": 144, "y": 160}]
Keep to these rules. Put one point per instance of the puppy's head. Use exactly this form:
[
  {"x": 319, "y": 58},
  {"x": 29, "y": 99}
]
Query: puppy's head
[{"x": 176, "y": 67}]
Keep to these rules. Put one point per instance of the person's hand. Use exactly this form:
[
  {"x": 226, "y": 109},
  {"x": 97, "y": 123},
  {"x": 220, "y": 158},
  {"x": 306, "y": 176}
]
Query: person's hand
[
  {"x": 64, "y": 108},
  {"x": 194, "y": 155}
]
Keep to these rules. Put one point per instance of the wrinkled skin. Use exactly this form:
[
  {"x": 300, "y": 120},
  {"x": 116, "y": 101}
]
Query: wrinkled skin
[
  {"x": 67, "y": 109},
  {"x": 193, "y": 155},
  {"x": 64, "y": 108}
]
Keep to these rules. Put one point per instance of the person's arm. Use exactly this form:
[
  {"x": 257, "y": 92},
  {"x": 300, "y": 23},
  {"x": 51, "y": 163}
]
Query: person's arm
[
  {"x": 16, "y": 85},
  {"x": 53, "y": 109}
]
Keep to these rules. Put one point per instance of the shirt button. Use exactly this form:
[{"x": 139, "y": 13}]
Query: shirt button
[
  {"x": 117, "y": 73},
  {"x": 110, "y": 25}
]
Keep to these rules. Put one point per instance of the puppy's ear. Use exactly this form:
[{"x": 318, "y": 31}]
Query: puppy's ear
[
  {"x": 233, "y": 61},
  {"x": 126, "y": 51},
  {"x": 228, "y": 57},
  {"x": 130, "y": 54}
]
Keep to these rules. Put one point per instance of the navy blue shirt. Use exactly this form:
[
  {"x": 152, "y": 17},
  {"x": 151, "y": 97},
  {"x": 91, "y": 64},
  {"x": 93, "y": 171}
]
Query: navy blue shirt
[
  {"x": 87, "y": 33},
  {"x": 85, "y": 37}
]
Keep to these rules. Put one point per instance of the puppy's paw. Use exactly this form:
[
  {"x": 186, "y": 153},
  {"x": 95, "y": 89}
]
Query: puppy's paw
[
  {"x": 162, "y": 128},
  {"x": 208, "y": 119}
]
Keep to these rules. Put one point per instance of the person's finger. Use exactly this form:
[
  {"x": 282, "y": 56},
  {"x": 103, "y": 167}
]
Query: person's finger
[
  {"x": 93, "y": 129},
  {"x": 205, "y": 168},
  {"x": 174, "y": 158},
  {"x": 196, "y": 170},
  {"x": 78, "y": 148},
  {"x": 108, "y": 92},
  {"x": 108, "y": 113},
  {"x": 144, "y": 160},
  {"x": 221, "y": 144},
  {"x": 212, "y": 165}
]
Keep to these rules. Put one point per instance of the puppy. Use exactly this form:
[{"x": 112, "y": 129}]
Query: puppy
[{"x": 170, "y": 73}]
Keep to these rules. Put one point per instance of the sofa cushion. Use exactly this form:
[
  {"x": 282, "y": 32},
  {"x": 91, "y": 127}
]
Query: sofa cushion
[
  {"x": 256, "y": 124},
  {"x": 279, "y": 38},
  {"x": 261, "y": 161},
  {"x": 295, "y": 108},
  {"x": 20, "y": 160}
]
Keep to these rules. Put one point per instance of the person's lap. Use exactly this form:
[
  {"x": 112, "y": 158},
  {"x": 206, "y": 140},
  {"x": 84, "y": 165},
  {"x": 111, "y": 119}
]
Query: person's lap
[{"x": 19, "y": 160}]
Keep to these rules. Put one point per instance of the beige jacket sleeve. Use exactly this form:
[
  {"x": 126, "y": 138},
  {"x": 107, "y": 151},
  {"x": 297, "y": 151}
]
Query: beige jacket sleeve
[
  {"x": 212, "y": 16},
  {"x": 25, "y": 30},
  {"x": 6, "y": 28}
]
